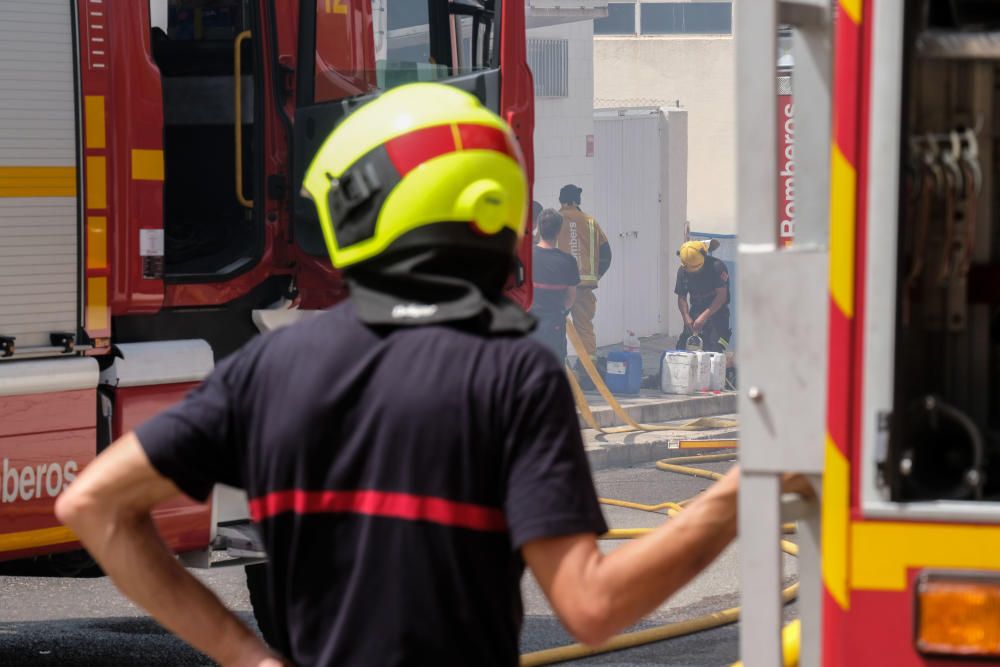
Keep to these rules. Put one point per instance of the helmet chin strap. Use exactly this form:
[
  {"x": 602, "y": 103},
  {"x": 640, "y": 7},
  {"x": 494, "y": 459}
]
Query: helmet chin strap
[{"x": 410, "y": 290}]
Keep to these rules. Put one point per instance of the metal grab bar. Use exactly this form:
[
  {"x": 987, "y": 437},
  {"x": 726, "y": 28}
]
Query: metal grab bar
[{"x": 238, "y": 88}]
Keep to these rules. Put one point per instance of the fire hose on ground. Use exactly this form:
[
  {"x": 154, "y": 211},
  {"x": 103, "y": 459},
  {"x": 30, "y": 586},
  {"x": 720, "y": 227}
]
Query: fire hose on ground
[
  {"x": 680, "y": 628},
  {"x": 629, "y": 423},
  {"x": 716, "y": 619}
]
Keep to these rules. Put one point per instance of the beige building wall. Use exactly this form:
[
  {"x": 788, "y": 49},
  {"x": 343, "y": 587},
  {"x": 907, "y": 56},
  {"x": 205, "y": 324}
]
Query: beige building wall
[
  {"x": 562, "y": 124},
  {"x": 697, "y": 71}
]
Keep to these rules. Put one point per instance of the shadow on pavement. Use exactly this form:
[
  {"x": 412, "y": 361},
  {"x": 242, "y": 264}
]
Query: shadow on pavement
[{"x": 96, "y": 642}]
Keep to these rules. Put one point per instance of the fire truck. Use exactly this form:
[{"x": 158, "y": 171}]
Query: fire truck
[
  {"x": 870, "y": 343},
  {"x": 151, "y": 155}
]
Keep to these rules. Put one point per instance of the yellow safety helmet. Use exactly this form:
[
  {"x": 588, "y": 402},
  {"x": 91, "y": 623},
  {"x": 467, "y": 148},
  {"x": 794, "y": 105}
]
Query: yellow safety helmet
[
  {"x": 423, "y": 154},
  {"x": 692, "y": 255}
]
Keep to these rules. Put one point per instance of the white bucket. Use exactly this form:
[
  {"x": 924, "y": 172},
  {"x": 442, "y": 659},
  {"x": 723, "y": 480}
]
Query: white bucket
[
  {"x": 718, "y": 381},
  {"x": 704, "y": 382},
  {"x": 679, "y": 374}
]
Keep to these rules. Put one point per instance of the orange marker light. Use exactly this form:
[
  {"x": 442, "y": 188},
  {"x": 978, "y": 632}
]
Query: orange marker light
[{"x": 958, "y": 615}]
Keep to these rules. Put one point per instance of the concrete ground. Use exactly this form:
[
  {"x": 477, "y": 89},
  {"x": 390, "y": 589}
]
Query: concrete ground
[
  {"x": 717, "y": 588},
  {"x": 616, "y": 450},
  {"x": 675, "y": 413}
]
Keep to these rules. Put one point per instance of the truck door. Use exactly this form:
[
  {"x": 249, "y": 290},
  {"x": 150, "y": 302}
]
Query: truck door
[
  {"x": 39, "y": 178},
  {"x": 207, "y": 54},
  {"x": 352, "y": 49}
]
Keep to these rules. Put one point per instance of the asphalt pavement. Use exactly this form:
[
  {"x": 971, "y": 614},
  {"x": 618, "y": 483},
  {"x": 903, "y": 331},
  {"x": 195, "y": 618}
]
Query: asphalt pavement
[{"x": 77, "y": 622}]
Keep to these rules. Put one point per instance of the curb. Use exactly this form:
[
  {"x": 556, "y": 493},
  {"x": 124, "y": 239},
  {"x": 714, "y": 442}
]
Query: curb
[
  {"x": 650, "y": 410},
  {"x": 641, "y": 448}
]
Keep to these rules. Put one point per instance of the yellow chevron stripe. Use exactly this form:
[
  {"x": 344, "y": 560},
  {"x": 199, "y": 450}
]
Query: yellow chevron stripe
[
  {"x": 94, "y": 134},
  {"x": 882, "y": 552},
  {"x": 836, "y": 507},
  {"x": 852, "y": 9},
  {"x": 37, "y": 181},
  {"x": 147, "y": 165},
  {"x": 30, "y": 539},
  {"x": 843, "y": 199}
]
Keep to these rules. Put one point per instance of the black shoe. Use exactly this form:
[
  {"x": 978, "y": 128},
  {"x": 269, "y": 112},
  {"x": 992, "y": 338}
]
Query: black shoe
[{"x": 583, "y": 378}]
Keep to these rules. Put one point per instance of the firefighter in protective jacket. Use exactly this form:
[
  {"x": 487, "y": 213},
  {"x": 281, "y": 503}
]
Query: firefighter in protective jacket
[{"x": 583, "y": 238}]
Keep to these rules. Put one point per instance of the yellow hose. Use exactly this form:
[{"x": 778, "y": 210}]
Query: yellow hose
[
  {"x": 669, "y": 466},
  {"x": 790, "y": 634},
  {"x": 640, "y": 506},
  {"x": 685, "y": 470},
  {"x": 602, "y": 389},
  {"x": 642, "y": 637},
  {"x": 625, "y": 533},
  {"x": 701, "y": 458}
]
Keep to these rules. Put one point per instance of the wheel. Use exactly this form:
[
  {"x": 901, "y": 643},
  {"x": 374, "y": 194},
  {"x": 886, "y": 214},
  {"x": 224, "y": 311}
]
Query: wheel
[
  {"x": 76, "y": 564},
  {"x": 261, "y": 604}
]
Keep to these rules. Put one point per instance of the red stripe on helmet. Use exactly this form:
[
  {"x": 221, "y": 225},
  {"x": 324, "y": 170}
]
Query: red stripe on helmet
[
  {"x": 409, "y": 151},
  {"x": 484, "y": 137}
]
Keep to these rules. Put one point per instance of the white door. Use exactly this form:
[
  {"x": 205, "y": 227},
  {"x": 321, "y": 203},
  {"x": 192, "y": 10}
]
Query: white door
[
  {"x": 39, "y": 223},
  {"x": 628, "y": 183}
]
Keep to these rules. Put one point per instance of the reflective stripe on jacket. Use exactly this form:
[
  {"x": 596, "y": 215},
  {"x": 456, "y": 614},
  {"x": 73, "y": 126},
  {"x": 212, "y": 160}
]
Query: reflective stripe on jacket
[{"x": 582, "y": 237}]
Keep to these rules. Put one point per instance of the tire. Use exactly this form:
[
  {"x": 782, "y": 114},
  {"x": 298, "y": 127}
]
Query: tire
[
  {"x": 74, "y": 564},
  {"x": 261, "y": 604}
]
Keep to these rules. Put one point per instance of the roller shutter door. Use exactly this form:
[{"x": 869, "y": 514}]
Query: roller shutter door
[{"x": 39, "y": 223}]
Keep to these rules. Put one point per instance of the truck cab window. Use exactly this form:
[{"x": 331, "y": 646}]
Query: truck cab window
[{"x": 403, "y": 41}]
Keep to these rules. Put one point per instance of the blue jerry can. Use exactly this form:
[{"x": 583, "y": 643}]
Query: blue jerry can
[{"x": 624, "y": 372}]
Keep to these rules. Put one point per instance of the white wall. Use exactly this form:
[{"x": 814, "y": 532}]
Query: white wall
[
  {"x": 641, "y": 173},
  {"x": 158, "y": 14},
  {"x": 562, "y": 124},
  {"x": 697, "y": 71}
]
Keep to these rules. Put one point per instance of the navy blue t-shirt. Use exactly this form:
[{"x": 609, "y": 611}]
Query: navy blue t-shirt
[
  {"x": 701, "y": 284},
  {"x": 554, "y": 271},
  {"x": 395, "y": 474}
]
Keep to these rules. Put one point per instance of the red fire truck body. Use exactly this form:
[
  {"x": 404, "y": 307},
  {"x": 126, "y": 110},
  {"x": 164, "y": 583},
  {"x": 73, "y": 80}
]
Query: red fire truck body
[
  {"x": 150, "y": 161},
  {"x": 879, "y": 324}
]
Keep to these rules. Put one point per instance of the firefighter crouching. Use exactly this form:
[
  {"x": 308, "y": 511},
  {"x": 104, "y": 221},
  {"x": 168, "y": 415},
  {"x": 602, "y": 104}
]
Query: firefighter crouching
[{"x": 705, "y": 281}]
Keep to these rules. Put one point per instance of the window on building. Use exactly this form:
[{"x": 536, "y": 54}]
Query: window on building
[
  {"x": 619, "y": 21},
  {"x": 549, "y": 63},
  {"x": 686, "y": 18}
]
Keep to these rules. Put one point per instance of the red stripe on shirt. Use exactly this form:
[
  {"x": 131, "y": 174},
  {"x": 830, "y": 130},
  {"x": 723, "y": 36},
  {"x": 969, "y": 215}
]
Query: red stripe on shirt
[
  {"x": 380, "y": 503},
  {"x": 410, "y": 150}
]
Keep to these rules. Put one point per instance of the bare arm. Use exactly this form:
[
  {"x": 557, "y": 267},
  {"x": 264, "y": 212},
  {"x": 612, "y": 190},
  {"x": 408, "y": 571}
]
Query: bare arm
[
  {"x": 570, "y": 298},
  {"x": 682, "y": 305},
  {"x": 721, "y": 294},
  {"x": 596, "y": 595},
  {"x": 108, "y": 507}
]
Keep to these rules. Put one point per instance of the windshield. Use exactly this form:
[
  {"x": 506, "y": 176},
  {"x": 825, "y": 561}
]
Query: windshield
[{"x": 368, "y": 45}]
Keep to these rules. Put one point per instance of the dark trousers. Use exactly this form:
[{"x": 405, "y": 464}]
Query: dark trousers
[
  {"x": 714, "y": 335},
  {"x": 551, "y": 331}
]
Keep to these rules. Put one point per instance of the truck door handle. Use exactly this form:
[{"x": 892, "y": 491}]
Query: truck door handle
[{"x": 238, "y": 88}]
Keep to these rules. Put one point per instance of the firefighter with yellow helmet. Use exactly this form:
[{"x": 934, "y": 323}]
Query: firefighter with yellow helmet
[
  {"x": 397, "y": 450},
  {"x": 406, "y": 453},
  {"x": 702, "y": 291}
]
